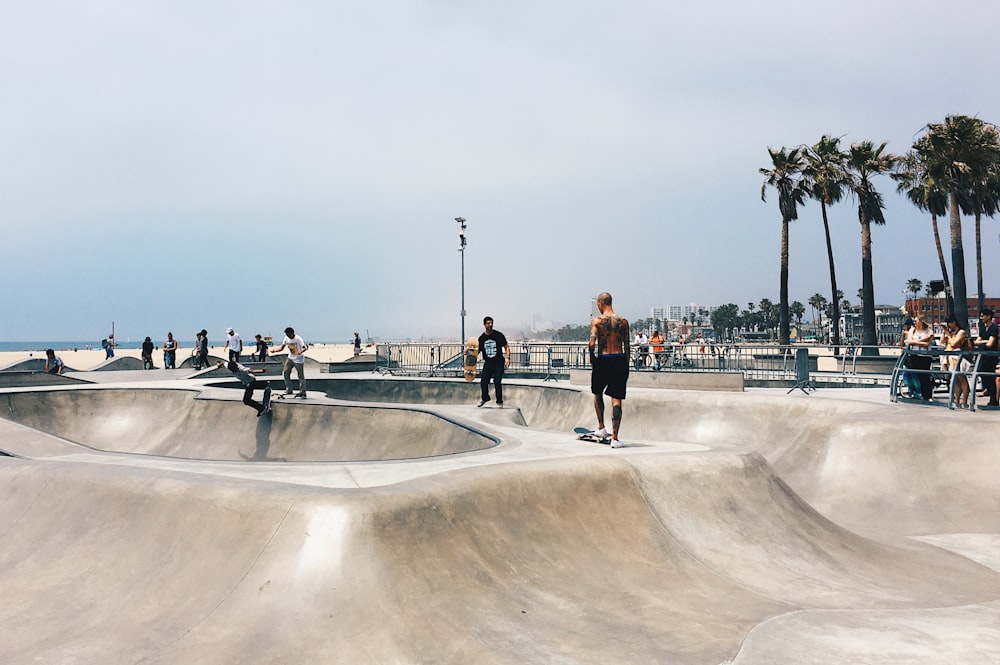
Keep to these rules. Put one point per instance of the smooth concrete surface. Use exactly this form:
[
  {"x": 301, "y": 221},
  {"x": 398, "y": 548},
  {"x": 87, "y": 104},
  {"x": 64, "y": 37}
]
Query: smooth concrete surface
[{"x": 753, "y": 527}]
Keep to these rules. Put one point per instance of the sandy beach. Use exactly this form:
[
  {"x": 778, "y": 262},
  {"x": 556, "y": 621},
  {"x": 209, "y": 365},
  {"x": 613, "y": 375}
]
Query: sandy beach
[{"x": 86, "y": 359}]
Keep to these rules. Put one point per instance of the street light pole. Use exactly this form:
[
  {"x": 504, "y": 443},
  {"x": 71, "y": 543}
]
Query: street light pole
[{"x": 461, "y": 250}]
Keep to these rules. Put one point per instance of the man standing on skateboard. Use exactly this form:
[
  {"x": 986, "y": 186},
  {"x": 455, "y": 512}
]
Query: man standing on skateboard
[
  {"x": 496, "y": 356},
  {"x": 296, "y": 359},
  {"x": 250, "y": 383},
  {"x": 609, "y": 354}
]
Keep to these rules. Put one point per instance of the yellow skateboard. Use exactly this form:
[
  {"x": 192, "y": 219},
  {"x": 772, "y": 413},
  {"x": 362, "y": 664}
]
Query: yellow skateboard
[{"x": 471, "y": 358}]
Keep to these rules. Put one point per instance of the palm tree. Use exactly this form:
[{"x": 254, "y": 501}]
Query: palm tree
[
  {"x": 927, "y": 195},
  {"x": 784, "y": 176},
  {"x": 825, "y": 178},
  {"x": 913, "y": 288},
  {"x": 865, "y": 160},
  {"x": 959, "y": 153},
  {"x": 818, "y": 303},
  {"x": 985, "y": 192},
  {"x": 766, "y": 308},
  {"x": 797, "y": 310}
]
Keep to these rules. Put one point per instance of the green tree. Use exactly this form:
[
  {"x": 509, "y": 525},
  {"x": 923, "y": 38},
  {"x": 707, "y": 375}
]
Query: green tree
[
  {"x": 865, "y": 161},
  {"x": 818, "y": 303},
  {"x": 797, "y": 310},
  {"x": 985, "y": 192},
  {"x": 959, "y": 152},
  {"x": 767, "y": 311},
  {"x": 913, "y": 288},
  {"x": 785, "y": 176},
  {"x": 926, "y": 194},
  {"x": 825, "y": 178},
  {"x": 724, "y": 320}
]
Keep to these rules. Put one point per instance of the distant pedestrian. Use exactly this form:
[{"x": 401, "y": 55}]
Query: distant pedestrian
[
  {"x": 496, "y": 356},
  {"x": 357, "y": 344},
  {"x": 147, "y": 353},
  {"x": 202, "y": 349},
  {"x": 53, "y": 363},
  {"x": 108, "y": 344},
  {"x": 234, "y": 344},
  {"x": 170, "y": 352},
  {"x": 296, "y": 359}
]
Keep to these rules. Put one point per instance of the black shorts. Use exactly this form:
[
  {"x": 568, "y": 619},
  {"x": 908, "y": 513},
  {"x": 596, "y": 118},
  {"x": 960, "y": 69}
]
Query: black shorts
[{"x": 609, "y": 376}]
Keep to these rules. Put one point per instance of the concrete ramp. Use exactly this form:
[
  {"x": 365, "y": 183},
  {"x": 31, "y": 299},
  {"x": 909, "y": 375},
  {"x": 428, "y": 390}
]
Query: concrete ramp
[
  {"x": 173, "y": 423},
  {"x": 588, "y": 560},
  {"x": 118, "y": 363}
]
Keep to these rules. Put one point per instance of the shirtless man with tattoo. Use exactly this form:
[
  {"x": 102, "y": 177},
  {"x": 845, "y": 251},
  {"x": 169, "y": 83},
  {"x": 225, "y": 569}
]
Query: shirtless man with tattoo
[{"x": 609, "y": 354}]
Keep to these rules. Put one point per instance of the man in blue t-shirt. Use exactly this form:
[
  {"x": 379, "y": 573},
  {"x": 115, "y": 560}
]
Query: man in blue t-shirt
[{"x": 496, "y": 356}]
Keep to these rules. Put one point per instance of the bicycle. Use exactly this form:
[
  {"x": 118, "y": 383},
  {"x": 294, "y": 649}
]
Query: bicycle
[{"x": 642, "y": 358}]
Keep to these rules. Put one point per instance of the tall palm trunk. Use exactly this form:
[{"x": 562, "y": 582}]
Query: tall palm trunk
[
  {"x": 783, "y": 327},
  {"x": 869, "y": 337},
  {"x": 958, "y": 264},
  {"x": 949, "y": 299},
  {"x": 835, "y": 301},
  {"x": 981, "y": 298}
]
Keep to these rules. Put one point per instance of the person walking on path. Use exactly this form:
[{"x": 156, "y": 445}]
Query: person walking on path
[
  {"x": 250, "y": 384},
  {"x": 234, "y": 344},
  {"x": 357, "y": 344},
  {"x": 170, "y": 352},
  {"x": 496, "y": 356},
  {"x": 296, "y": 359},
  {"x": 609, "y": 355}
]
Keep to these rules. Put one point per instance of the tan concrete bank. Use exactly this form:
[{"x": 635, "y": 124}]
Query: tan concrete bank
[{"x": 391, "y": 521}]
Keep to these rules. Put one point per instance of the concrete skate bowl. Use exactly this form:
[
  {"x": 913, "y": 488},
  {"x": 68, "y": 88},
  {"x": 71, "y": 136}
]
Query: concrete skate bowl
[
  {"x": 901, "y": 470},
  {"x": 542, "y": 407},
  {"x": 173, "y": 423},
  {"x": 602, "y": 559}
]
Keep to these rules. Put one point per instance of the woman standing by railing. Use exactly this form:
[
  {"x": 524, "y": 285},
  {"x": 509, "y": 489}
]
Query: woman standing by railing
[
  {"x": 920, "y": 338},
  {"x": 955, "y": 339}
]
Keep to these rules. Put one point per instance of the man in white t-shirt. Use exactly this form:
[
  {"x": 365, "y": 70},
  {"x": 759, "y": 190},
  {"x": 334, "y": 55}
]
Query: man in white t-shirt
[
  {"x": 296, "y": 358},
  {"x": 234, "y": 344}
]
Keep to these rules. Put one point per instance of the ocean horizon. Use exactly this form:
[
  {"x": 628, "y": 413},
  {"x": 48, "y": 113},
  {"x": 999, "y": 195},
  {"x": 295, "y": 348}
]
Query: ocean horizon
[{"x": 64, "y": 345}]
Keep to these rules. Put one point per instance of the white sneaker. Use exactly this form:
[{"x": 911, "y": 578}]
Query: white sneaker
[
  {"x": 600, "y": 433},
  {"x": 615, "y": 443}
]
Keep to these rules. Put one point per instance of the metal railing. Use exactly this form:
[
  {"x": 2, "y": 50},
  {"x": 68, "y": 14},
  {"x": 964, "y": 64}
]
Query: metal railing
[
  {"x": 944, "y": 374},
  {"x": 554, "y": 360},
  {"x": 446, "y": 359}
]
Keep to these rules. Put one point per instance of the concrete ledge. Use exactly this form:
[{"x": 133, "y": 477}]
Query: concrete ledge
[
  {"x": 362, "y": 363},
  {"x": 710, "y": 381},
  {"x": 10, "y": 378}
]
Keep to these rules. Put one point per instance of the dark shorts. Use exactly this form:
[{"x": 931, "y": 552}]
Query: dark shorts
[{"x": 609, "y": 376}]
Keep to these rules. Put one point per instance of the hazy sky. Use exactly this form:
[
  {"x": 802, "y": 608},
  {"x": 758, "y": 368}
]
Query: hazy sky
[{"x": 178, "y": 165}]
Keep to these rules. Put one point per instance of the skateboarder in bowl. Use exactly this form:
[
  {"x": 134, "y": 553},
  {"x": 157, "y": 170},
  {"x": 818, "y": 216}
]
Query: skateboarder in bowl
[{"x": 250, "y": 383}]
